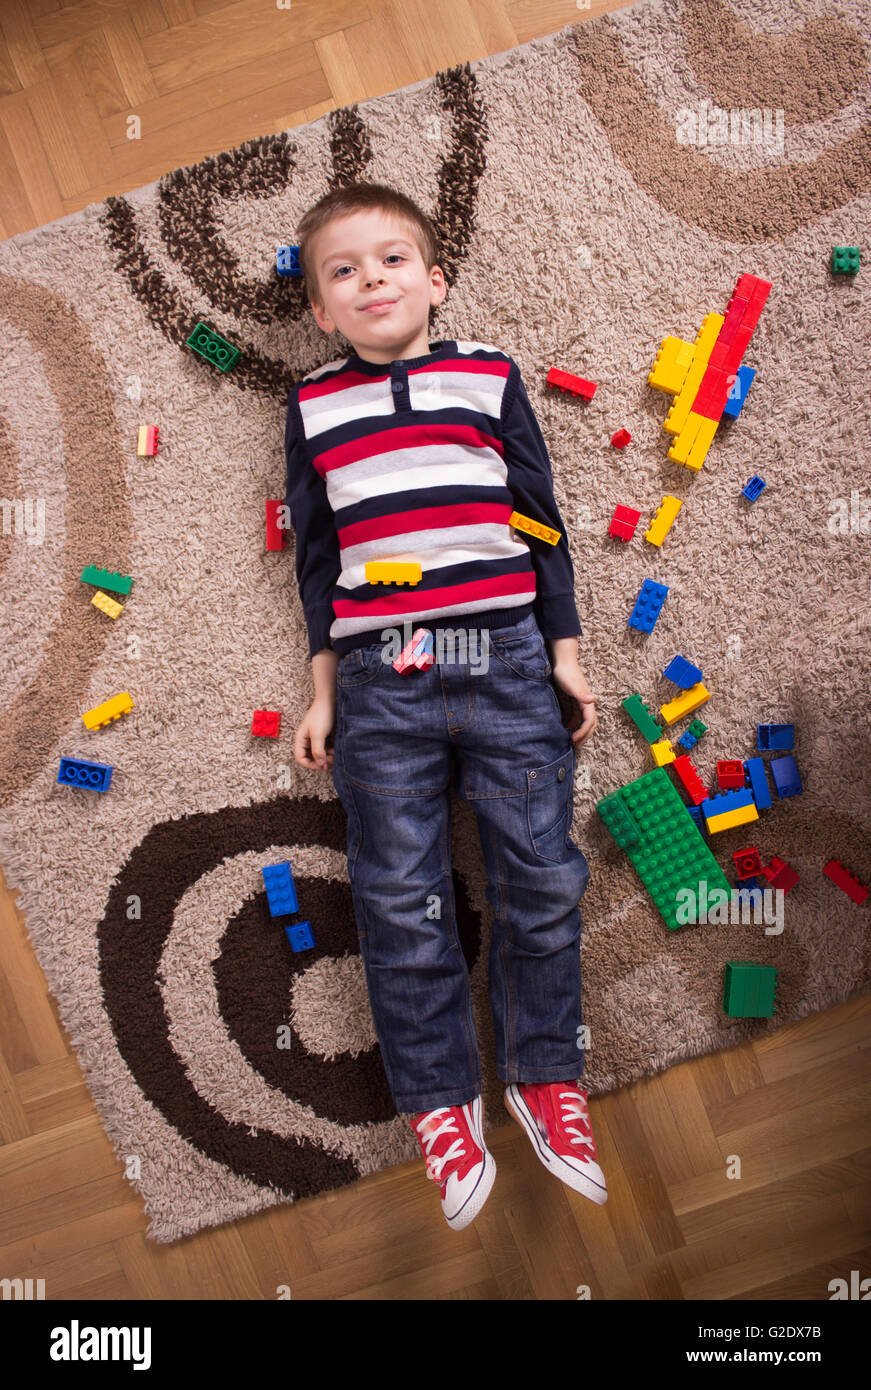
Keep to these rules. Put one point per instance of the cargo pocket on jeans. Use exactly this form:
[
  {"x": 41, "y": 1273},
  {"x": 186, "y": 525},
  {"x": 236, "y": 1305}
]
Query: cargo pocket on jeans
[{"x": 549, "y": 803}]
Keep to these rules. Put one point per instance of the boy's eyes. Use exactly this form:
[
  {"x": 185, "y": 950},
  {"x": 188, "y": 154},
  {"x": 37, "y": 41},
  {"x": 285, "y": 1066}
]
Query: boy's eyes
[{"x": 394, "y": 256}]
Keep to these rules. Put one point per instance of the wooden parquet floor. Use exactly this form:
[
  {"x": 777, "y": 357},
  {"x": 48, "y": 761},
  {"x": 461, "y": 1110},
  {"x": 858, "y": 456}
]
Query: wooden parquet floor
[{"x": 793, "y": 1108}]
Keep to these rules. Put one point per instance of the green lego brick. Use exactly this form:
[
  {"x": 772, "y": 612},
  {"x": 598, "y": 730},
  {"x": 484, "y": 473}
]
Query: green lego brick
[
  {"x": 845, "y": 260},
  {"x": 215, "y": 349},
  {"x": 642, "y": 718},
  {"x": 749, "y": 989},
  {"x": 118, "y": 583},
  {"x": 669, "y": 852},
  {"x": 697, "y": 728}
]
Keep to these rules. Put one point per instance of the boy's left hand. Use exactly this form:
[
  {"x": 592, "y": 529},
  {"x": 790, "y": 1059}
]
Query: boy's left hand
[{"x": 576, "y": 700}]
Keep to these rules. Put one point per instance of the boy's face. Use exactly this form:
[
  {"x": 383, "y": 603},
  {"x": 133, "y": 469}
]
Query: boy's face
[{"x": 367, "y": 257}]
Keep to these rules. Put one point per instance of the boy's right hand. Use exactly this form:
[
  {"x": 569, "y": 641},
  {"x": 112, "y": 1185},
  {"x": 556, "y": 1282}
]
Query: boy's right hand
[{"x": 311, "y": 738}]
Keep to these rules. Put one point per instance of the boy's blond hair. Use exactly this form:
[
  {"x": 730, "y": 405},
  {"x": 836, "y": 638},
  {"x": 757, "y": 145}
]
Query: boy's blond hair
[{"x": 361, "y": 197}]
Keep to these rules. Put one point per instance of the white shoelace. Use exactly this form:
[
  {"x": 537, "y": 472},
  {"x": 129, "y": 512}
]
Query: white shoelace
[
  {"x": 574, "y": 1108},
  {"x": 436, "y": 1162}
]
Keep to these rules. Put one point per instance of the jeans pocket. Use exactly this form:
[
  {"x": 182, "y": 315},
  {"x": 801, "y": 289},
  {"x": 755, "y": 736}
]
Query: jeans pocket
[
  {"x": 359, "y": 666},
  {"x": 525, "y": 654},
  {"x": 549, "y": 802}
]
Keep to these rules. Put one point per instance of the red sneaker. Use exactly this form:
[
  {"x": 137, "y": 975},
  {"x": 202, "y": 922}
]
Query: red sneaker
[
  {"x": 555, "y": 1116},
  {"x": 457, "y": 1159}
]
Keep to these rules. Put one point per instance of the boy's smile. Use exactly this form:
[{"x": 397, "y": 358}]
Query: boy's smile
[{"x": 376, "y": 289}]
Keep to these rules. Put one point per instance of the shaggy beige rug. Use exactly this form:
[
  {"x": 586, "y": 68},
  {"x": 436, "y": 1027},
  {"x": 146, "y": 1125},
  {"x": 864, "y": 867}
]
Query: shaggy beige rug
[{"x": 588, "y": 208}]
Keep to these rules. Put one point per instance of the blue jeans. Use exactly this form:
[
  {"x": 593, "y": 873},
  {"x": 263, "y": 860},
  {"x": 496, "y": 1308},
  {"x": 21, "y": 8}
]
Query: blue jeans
[{"x": 400, "y": 742}]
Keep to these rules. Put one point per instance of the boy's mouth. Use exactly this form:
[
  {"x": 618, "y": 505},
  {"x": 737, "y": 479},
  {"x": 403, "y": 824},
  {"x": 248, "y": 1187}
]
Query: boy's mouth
[{"x": 378, "y": 306}]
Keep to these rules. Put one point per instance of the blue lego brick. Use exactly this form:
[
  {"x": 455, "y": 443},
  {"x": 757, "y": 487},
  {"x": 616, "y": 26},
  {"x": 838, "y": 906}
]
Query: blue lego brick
[
  {"x": 73, "y": 772},
  {"x": 695, "y": 812},
  {"x": 682, "y": 672},
  {"x": 280, "y": 889},
  {"x": 287, "y": 261},
  {"x": 753, "y": 487},
  {"x": 647, "y": 605},
  {"x": 754, "y": 768},
  {"x": 772, "y": 737},
  {"x": 726, "y": 801},
  {"x": 300, "y": 936},
  {"x": 425, "y": 644},
  {"x": 786, "y": 779},
  {"x": 738, "y": 394}
]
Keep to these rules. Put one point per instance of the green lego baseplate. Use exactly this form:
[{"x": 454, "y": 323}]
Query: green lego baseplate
[
  {"x": 749, "y": 989},
  {"x": 650, "y": 821}
]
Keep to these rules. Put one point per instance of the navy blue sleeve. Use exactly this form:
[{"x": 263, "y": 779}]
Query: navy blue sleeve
[
  {"x": 318, "y": 563},
  {"x": 530, "y": 482}
]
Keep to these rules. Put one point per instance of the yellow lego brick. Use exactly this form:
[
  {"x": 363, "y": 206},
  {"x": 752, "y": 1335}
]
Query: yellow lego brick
[
  {"x": 727, "y": 819},
  {"x": 107, "y": 604},
  {"x": 665, "y": 515},
  {"x": 392, "y": 572},
  {"x": 685, "y": 703},
  {"x": 662, "y": 752},
  {"x": 671, "y": 365},
  {"x": 702, "y": 349},
  {"x": 535, "y": 528},
  {"x": 109, "y": 710},
  {"x": 692, "y": 445}
]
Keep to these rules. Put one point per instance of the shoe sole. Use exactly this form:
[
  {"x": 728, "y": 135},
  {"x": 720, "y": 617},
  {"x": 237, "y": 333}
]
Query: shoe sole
[{"x": 515, "y": 1103}]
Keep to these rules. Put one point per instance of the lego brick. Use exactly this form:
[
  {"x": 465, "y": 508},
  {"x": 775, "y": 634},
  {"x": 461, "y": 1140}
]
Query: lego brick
[
  {"x": 108, "y": 711},
  {"x": 650, "y": 599},
  {"x": 206, "y": 343},
  {"x": 621, "y": 438},
  {"x": 671, "y": 365},
  {"x": 683, "y": 704},
  {"x": 785, "y": 773},
  {"x": 534, "y": 528},
  {"x": 845, "y": 260},
  {"x": 690, "y": 779},
  {"x": 662, "y": 752},
  {"x": 287, "y": 261},
  {"x": 662, "y": 520},
  {"x": 698, "y": 818},
  {"x": 392, "y": 572},
  {"x": 642, "y": 718},
  {"x": 774, "y": 737},
  {"x": 780, "y": 874},
  {"x": 300, "y": 936},
  {"x": 738, "y": 391},
  {"x": 679, "y": 411},
  {"x": 682, "y": 672},
  {"x": 749, "y": 989},
  {"x": 851, "y": 885},
  {"x": 755, "y": 769},
  {"x": 753, "y": 487},
  {"x": 107, "y": 605},
  {"x": 276, "y": 534},
  {"x": 669, "y": 853},
  {"x": 692, "y": 445},
  {"x": 690, "y": 737},
  {"x": 146, "y": 444},
  {"x": 730, "y": 774},
  {"x": 624, "y": 522},
  {"x": 747, "y": 861},
  {"x": 407, "y": 658},
  {"x": 574, "y": 385},
  {"x": 280, "y": 889},
  {"x": 85, "y": 776},
  {"x": 266, "y": 723},
  {"x": 715, "y": 808},
  {"x": 107, "y": 579}
]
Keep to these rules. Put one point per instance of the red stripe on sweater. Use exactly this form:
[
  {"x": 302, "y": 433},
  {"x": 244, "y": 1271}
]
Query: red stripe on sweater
[
  {"x": 432, "y": 518},
  {"x": 404, "y": 437},
  {"x": 414, "y": 600}
]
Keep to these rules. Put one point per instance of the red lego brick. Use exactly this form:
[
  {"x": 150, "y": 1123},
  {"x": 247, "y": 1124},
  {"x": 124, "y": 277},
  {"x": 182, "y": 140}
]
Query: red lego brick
[
  {"x": 690, "y": 779},
  {"x": 275, "y": 535},
  {"x": 730, "y": 775},
  {"x": 266, "y": 723},
  {"x": 624, "y": 522},
  {"x": 576, "y": 385},
  {"x": 621, "y": 439},
  {"x": 747, "y": 862},
  {"x": 779, "y": 874},
  {"x": 851, "y": 885}
]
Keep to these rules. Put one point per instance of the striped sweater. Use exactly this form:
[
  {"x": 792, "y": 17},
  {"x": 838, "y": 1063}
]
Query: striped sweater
[{"x": 422, "y": 459}]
